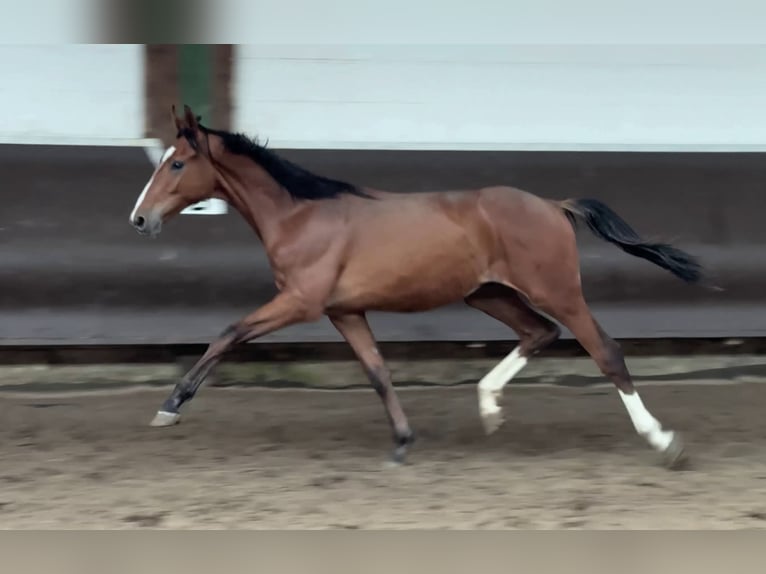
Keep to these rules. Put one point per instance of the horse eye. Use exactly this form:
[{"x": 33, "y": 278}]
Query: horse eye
[{"x": 177, "y": 164}]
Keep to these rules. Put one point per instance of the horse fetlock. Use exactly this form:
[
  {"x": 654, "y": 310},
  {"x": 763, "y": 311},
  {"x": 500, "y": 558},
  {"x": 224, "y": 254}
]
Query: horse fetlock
[
  {"x": 488, "y": 400},
  {"x": 404, "y": 437},
  {"x": 402, "y": 440},
  {"x": 491, "y": 413},
  {"x": 492, "y": 419},
  {"x": 674, "y": 456}
]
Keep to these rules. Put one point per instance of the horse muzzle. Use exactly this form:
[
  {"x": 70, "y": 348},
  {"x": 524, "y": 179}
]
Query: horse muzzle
[{"x": 147, "y": 224}]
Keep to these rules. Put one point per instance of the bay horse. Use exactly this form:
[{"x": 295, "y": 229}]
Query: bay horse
[{"x": 340, "y": 250}]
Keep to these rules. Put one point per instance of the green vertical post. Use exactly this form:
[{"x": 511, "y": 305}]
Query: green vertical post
[
  {"x": 195, "y": 76},
  {"x": 195, "y": 79}
]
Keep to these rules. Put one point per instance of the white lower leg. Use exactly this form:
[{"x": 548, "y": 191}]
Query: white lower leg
[
  {"x": 646, "y": 425},
  {"x": 491, "y": 385}
]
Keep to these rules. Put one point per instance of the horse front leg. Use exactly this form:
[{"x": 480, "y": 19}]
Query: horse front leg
[
  {"x": 356, "y": 331},
  {"x": 284, "y": 310}
]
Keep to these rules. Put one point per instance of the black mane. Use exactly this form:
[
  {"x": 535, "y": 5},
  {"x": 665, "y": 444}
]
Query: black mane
[{"x": 299, "y": 182}]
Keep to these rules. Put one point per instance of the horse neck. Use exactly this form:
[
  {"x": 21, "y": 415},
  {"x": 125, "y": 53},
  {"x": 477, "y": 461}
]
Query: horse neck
[{"x": 261, "y": 201}]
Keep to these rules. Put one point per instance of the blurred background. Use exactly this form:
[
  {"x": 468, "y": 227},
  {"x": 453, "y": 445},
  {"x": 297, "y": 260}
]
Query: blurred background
[
  {"x": 655, "y": 108},
  {"x": 670, "y": 135}
]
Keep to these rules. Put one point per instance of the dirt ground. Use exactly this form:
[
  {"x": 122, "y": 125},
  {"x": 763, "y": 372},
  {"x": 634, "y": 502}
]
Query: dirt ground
[{"x": 267, "y": 459}]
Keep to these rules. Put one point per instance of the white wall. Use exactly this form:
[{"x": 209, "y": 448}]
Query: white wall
[
  {"x": 500, "y": 74},
  {"x": 71, "y": 93},
  {"x": 489, "y": 22},
  {"x": 503, "y": 96}
]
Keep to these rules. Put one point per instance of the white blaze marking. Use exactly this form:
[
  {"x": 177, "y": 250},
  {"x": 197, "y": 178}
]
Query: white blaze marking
[
  {"x": 165, "y": 156},
  {"x": 491, "y": 386},
  {"x": 168, "y": 152},
  {"x": 645, "y": 424}
]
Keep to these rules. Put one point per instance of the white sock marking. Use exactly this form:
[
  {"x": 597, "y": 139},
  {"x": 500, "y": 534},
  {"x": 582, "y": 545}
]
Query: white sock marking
[
  {"x": 165, "y": 156},
  {"x": 645, "y": 424},
  {"x": 491, "y": 385}
]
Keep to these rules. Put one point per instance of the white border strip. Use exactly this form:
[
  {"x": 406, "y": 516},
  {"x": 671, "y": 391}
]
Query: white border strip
[
  {"x": 517, "y": 146},
  {"x": 75, "y": 141},
  {"x": 154, "y": 147}
]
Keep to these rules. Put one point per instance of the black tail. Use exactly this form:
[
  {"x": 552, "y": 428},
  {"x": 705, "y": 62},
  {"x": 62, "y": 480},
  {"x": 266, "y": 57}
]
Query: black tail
[{"x": 609, "y": 226}]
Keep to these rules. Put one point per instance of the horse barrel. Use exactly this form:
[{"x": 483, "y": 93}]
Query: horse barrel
[{"x": 75, "y": 273}]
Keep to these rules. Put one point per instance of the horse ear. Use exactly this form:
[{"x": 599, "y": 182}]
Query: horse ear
[
  {"x": 177, "y": 122},
  {"x": 192, "y": 121}
]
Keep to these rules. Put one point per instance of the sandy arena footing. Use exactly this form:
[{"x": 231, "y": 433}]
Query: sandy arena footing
[{"x": 567, "y": 457}]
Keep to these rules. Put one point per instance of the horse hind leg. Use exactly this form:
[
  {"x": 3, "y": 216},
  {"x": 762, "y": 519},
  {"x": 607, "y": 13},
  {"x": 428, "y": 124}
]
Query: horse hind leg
[
  {"x": 535, "y": 332},
  {"x": 608, "y": 356}
]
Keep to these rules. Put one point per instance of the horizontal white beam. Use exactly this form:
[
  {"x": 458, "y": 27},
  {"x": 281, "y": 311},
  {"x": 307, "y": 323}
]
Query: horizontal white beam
[
  {"x": 521, "y": 146},
  {"x": 10, "y": 139},
  {"x": 154, "y": 147}
]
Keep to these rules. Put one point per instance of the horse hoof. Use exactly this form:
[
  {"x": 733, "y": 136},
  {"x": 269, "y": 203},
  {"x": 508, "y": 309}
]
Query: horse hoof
[
  {"x": 492, "y": 421},
  {"x": 674, "y": 456},
  {"x": 165, "y": 419},
  {"x": 399, "y": 455}
]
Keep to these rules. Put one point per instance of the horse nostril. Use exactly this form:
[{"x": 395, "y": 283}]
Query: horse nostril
[{"x": 139, "y": 222}]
